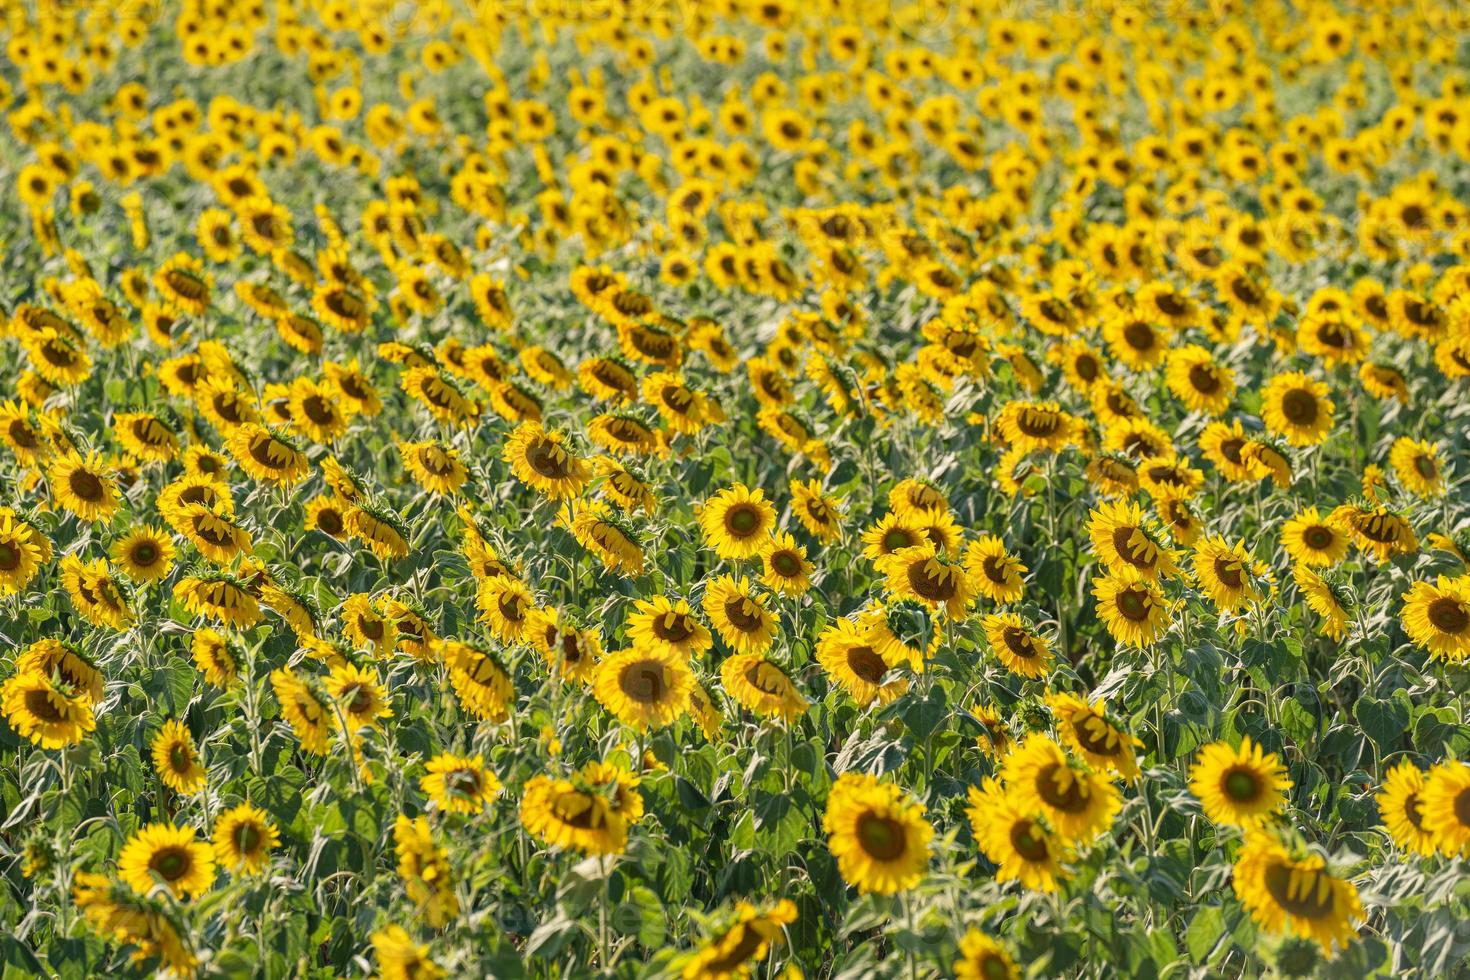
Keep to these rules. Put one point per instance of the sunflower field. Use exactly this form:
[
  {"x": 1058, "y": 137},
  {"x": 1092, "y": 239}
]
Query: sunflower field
[{"x": 734, "y": 488}]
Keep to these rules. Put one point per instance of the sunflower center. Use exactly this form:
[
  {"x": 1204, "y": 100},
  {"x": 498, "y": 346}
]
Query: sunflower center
[
  {"x": 1299, "y": 406},
  {"x": 935, "y": 583},
  {"x": 1060, "y": 788},
  {"x": 247, "y": 838},
  {"x": 1424, "y": 466},
  {"x": 1462, "y": 808},
  {"x": 171, "y": 863},
  {"x": 741, "y": 612},
  {"x": 370, "y": 628},
  {"x": 510, "y": 607},
  {"x": 144, "y": 554},
  {"x": 1019, "y": 642},
  {"x": 85, "y": 485},
  {"x": 1203, "y": 379},
  {"x": 897, "y": 538},
  {"x": 1241, "y": 785},
  {"x": 1037, "y": 424},
  {"x": 1317, "y": 537},
  {"x": 42, "y": 705},
  {"x": 1133, "y": 603},
  {"x": 1412, "y": 812},
  {"x": 318, "y": 410},
  {"x": 1095, "y": 735},
  {"x": 548, "y": 459},
  {"x": 1448, "y": 615},
  {"x": 866, "y": 664},
  {"x": 882, "y": 838},
  {"x": 1140, "y": 557},
  {"x": 742, "y": 520},
  {"x": 995, "y": 569},
  {"x": 1227, "y": 570},
  {"x": 1139, "y": 336},
  {"x": 1306, "y": 900},
  {"x": 741, "y": 949},
  {"x": 329, "y": 520},
  {"x": 9, "y": 557},
  {"x": 673, "y": 627},
  {"x": 992, "y": 967},
  {"x": 463, "y": 782},
  {"x": 1027, "y": 842},
  {"x": 644, "y": 682},
  {"x": 178, "y": 758}
]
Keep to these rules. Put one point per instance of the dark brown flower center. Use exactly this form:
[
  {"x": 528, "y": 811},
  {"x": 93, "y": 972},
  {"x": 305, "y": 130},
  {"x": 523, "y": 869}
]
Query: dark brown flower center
[
  {"x": 1448, "y": 615},
  {"x": 882, "y": 838},
  {"x": 1299, "y": 406}
]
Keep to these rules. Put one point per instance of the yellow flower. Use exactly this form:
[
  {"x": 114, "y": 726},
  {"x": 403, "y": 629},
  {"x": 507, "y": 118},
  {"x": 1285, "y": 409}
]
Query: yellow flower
[
  {"x": 644, "y": 687},
  {"x": 176, "y": 760},
  {"x": 459, "y": 784},
  {"x": 244, "y": 836},
  {"x": 1239, "y": 787},
  {"x": 163, "y": 855},
  {"x": 1294, "y": 894},
  {"x": 877, "y": 834}
]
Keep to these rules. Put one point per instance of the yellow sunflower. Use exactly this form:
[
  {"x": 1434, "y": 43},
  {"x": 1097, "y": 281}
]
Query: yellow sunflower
[
  {"x": 1436, "y": 615},
  {"x": 244, "y": 836},
  {"x": 1239, "y": 787},
  {"x": 739, "y": 614},
  {"x": 167, "y": 856},
  {"x": 176, "y": 760},
  {"x": 761, "y": 686},
  {"x": 877, "y": 833},
  {"x": 737, "y": 522},
  {"x": 1401, "y": 809},
  {"x": 1294, "y": 893},
  {"x": 644, "y": 687},
  {"x": 459, "y": 784}
]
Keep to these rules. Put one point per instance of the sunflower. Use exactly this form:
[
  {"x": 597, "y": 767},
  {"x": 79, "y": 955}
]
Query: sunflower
[
  {"x": 1436, "y": 615},
  {"x": 761, "y": 686},
  {"x": 1401, "y": 808},
  {"x": 185, "y": 283},
  {"x": 1296, "y": 407},
  {"x": 244, "y": 836},
  {"x": 433, "y": 466},
  {"x": 1017, "y": 645},
  {"x": 1019, "y": 844},
  {"x": 1228, "y": 573},
  {"x": 306, "y": 708},
  {"x": 1032, "y": 426},
  {"x": 479, "y": 680},
  {"x": 1088, "y": 730},
  {"x": 424, "y": 868},
  {"x": 145, "y": 554},
  {"x": 47, "y": 710},
  {"x": 784, "y": 565},
  {"x": 20, "y": 555},
  {"x": 1294, "y": 894},
  {"x": 95, "y": 592},
  {"x": 845, "y": 650},
  {"x": 994, "y": 572},
  {"x": 459, "y": 784},
  {"x": 168, "y": 856},
  {"x": 540, "y": 460},
  {"x": 684, "y": 410},
  {"x": 361, "y": 698},
  {"x": 505, "y": 604},
  {"x": 1223, "y": 445},
  {"x": 146, "y": 436},
  {"x": 267, "y": 456},
  {"x": 1444, "y": 803},
  {"x": 565, "y": 814},
  {"x": 217, "y": 659},
  {"x": 1076, "y": 802},
  {"x": 220, "y": 597},
  {"x": 379, "y": 528},
  {"x": 83, "y": 485},
  {"x": 622, "y": 434},
  {"x": 1239, "y": 787},
  {"x": 209, "y": 491},
  {"x": 1314, "y": 540},
  {"x": 219, "y": 539},
  {"x": 877, "y": 833},
  {"x": 1326, "y": 598},
  {"x": 400, "y": 958},
  {"x": 739, "y": 614},
  {"x": 1380, "y": 530},
  {"x": 1198, "y": 381},
  {"x": 746, "y": 940},
  {"x": 737, "y": 522},
  {"x": 65, "y": 662},
  {"x": 1131, "y": 607},
  {"x": 116, "y": 912},
  {"x": 891, "y": 533},
  {"x": 642, "y": 687},
  {"x": 176, "y": 760},
  {"x": 667, "y": 625},
  {"x": 818, "y": 512},
  {"x": 1418, "y": 466},
  {"x": 1126, "y": 541},
  {"x": 624, "y": 487},
  {"x": 983, "y": 958}
]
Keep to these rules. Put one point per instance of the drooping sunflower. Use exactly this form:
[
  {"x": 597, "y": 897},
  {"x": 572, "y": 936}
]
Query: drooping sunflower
[
  {"x": 1132, "y": 608},
  {"x": 820, "y": 513},
  {"x": 1239, "y": 787},
  {"x": 215, "y": 656},
  {"x": 244, "y": 836},
  {"x": 606, "y": 534},
  {"x": 83, "y": 485},
  {"x": 1325, "y": 597},
  {"x": 1444, "y": 804},
  {"x": 1126, "y": 541},
  {"x": 95, "y": 592},
  {"x": 433, "y": 466},
  {"x": 745, "y": 941},
  {"x": 306, "y": 708},
  {"x": 266, "y": 455},
  {"x": 1076, "y": 802},
  {"x": 424, "y": 868},
  {"x": 360, "y": 696},
  {"x": 1297, "y": 408},
  {"x": 367, "y": 624},
  {"x": 146, "y": 436},
  {"x": 994, "y": 572},
  {"x": 1294, "y": 893},
  {"x": 217, "y": 538},
  {"x": 176, "y": 760},
  {"x": 877, "y": 833},
  {"x": 761, "y": 686},
  {"x": 541, "y": 460},
  {"x": 739, "y": 614},
  {"x": 167, "y": 856},
  {"x": 565, "y": 814},
  {"x": 1436, "y": 615},
  {"x": 379, "y": 528},
  {"x": 1379, "y": 530},
  {"x": 644, "y": 687},
  {"x": 67, "y": 663},
  {"x": 668, "y": 625},
  {"x": 459, "y": 784},
  {"x": 737, "y": 522},
  {"x": 46, "y": 710},
  {"x": 1087, "y": 728},
  {"x": 218, "y": 596},
  {"x": 921, "y": 574},
  {"x": 1401, "y": 809},
  {"x": 479, "y": 680},
  {"x": 1017, "y": 645}
]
